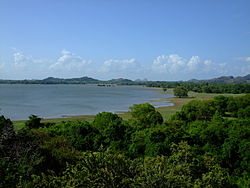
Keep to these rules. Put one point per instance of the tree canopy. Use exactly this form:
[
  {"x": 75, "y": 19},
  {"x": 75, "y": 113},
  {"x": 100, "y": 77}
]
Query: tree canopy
[
  {"x": 205, "y": 144},
  {"x": 180, "y": 91}
]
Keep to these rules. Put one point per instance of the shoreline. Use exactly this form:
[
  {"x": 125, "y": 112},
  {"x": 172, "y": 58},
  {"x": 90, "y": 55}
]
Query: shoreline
[
  {"x": 166, "y": 111},
  {"x": 124, "y": 114},
  {"x": 81, "y": 114},
  {"x": 89, "y": 117}
]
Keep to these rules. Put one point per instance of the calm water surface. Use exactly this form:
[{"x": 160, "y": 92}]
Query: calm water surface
[{"x": 17, "y": 102}]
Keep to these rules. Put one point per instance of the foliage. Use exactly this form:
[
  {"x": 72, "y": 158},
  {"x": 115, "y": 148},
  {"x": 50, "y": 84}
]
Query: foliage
[
  {"x": 93, "y": 170},
  {"x": 79, "y": 134},
  {"x": 102, "y": 169},
  {"x": 33, "y": 122},
  {"x": 180, "y": 91},
  {"x": 20, "y": 156},
  {"x": 196, "y": 110},
  {"x": 205, "y": 144},
  {"x": 145, "y": 115},
  {"x": 205, "y": 87}
]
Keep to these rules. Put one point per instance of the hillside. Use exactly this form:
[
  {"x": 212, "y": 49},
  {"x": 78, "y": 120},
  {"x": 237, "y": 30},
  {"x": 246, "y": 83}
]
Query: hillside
[
  {"x": 229, "y": 79},
  {"x": 85, "y": 79},
  {"x": 123, "y": 81}
]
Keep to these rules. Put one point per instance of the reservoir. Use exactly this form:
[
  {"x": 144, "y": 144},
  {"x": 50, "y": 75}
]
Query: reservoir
[{"x": 17, "y": 102}]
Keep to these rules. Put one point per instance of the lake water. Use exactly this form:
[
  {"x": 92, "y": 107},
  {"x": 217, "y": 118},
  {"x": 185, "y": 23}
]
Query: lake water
[{"x": 17, "y": 102}]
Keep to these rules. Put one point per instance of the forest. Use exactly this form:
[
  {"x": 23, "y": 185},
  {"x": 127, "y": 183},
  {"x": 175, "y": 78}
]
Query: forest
[
  {"x": 235, "y": 88},
  {"x": 205, "y": 144}
]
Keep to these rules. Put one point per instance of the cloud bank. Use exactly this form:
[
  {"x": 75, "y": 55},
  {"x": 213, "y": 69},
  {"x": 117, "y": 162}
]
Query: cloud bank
[
  {"x": 177, "y": 67},
  {"x": 125, "y": 68},
  {"x": 247, "y": 59},
  {"x": 164, "y": 67},
  {"x": 66, "y": 65},
  {"x": 69, "y": 63}
]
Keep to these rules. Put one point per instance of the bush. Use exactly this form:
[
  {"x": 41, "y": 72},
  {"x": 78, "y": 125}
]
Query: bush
[
  {"x": 145, "y": 115},
  {"x": 180, "y": 91}
]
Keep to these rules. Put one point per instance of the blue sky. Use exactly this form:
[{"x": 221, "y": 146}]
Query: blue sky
[{"x": 153, "y": 39}]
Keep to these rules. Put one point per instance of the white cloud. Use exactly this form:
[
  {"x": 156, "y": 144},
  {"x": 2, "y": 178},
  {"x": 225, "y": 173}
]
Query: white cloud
[
  {"x": 245, "y": 70},
  {"x": 247, "y": 59},
  {"x": 168, "y": 63},
  {"x": 193, "y": 63},
  {"x": 69, "y": 62},
  {"x": 243, "y": 59},
  {"x": 67, "y": 65},
  {"x": 26, "y": 67},
  {"x": 119, "y": 65},
  {"x": 21, "y": 60},
  {"x": 173, "y": 66},
  {"x": 164, "y": 67},
  {"x": 126, "y": 68}
]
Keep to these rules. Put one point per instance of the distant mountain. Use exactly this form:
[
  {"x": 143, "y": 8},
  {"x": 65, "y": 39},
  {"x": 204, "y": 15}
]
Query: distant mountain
[
  {"x": 52, "y": 80},
  {"x": 194, "y": 80},
  {"x": 82, "y": 80},
  {"x": 243, "y": 79},
  {"x": 226, "y": 79},
  {"x": 222, "y": 79},
  {"x": 121, "y": 80}
]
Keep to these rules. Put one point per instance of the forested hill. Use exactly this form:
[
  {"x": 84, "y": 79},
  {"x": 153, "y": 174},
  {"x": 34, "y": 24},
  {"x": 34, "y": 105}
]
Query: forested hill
[
  {"x": 85, "y": 79},
  {"x": 52, "y": 80},
  {"x": 123, "y": 81},
  {"x": 226, "y": 79},
  {"x": 81, "y": 80}
]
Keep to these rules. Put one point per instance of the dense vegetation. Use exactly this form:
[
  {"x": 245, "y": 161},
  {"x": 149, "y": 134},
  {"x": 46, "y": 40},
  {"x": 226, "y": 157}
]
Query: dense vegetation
[
  {"x": 223, "y": 84},
  {"x": 180, "y": 91},
  {"x": 206, "y": 144},
  {"x": 235, "y": 88}
]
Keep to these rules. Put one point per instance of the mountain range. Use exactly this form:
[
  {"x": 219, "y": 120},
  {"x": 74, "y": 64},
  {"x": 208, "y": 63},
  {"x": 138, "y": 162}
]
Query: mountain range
[
  {"x": 226, "y": 79},
  {"x": 123, "y": 81}
]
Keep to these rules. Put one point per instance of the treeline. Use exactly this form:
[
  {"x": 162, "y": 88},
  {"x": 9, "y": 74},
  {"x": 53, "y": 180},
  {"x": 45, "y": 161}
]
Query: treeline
[
  {"x": 206, "y": 144},
  {"x": 235, "y": 88},
  {"x": 42, "y": 82},
  {"x": 52, "y": 80},
  {"x": 82, "y": 80},
  {"x": 201, "y": 87}
]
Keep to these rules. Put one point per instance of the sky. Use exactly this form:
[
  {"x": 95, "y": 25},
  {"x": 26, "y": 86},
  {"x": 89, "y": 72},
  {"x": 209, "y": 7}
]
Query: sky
[{"x": 135, "y": 39}]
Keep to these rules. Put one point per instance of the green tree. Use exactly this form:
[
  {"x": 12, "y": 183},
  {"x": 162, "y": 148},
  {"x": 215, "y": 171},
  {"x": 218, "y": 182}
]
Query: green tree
[
  {"x": 220, "y": 103},
  {"x": 196, "y": 110},
  {"x": 244, "y": 113},
  {"x": 33, "y": 122},
  {"x": 93, "y": 170},
  {"x": 113, "y": 130},
  {"x": 7, "y": 132},
  {"x": 80, "y": 134},
  {"x": 180, "y": 91},
  {"x": 104, "y": 120},
  {"x": 145, "y": 115},
  {"x": 20, "y": 155}
]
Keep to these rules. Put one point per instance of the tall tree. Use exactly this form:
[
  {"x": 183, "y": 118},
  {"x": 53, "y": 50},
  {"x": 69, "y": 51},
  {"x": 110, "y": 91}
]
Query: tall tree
[{"x": 180, "y": 91}]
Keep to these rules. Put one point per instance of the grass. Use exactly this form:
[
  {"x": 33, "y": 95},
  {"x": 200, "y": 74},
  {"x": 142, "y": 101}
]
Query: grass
[
  {"x": 70, "y": 118},
  {"x": 21, "y": 123},
  {"x": 166, "y": 112},
  {"x": 18, "y": 125}
]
